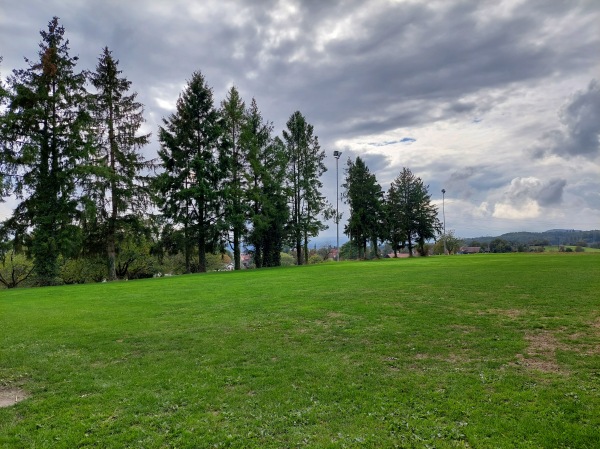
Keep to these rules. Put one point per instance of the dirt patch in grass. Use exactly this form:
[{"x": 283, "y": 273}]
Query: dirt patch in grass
[
  {"x": 510, "y": 313},
  {"x": 10, "y": 396},
  {"x": 541, "y": 353}
]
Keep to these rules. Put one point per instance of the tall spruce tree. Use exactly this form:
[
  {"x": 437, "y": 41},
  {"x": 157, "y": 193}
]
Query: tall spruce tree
[
  {"x": 305, "y": 167},
  {"x": 365, "y": 198},
  {"x": 45, "y": 130},
  {"x": 266, "y": 193},
  {"x": 3, "y": 163},
  {"x": 409, "y": 205},
  {"x": 117, "y": 188},
  {"x": 233, "y": 113},
  {"x": 190, "y": 188}
]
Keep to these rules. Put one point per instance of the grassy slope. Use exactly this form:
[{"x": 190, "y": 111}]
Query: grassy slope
[{"x": 470, "y": 351}]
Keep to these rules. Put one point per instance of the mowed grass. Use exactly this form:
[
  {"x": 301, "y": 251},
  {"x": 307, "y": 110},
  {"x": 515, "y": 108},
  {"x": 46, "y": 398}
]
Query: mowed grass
[{"x": 483, "y": 351}]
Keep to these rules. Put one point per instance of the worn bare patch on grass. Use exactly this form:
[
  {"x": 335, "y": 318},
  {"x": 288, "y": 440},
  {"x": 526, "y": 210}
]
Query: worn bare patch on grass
[
  {"x": 510, "y": 313},
  {"x": 540, "y": 355},
  {"x": 463, "y": 329},
  {"x": 11, "y": 395}
]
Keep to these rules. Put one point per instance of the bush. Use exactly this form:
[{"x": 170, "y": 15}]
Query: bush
[
  {"x": 82, "y": 270},
  {"x": 579, "y": 249},
  {"x": 315, "y": 258},
  {"x": 15, "y": 269},
  {"x": 287, "y": 260}
]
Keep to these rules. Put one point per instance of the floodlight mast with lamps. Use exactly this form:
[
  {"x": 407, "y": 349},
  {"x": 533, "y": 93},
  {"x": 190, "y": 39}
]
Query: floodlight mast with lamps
[
  {"x": 336, "y": 155},
  {"x": 444, "y": 219}
]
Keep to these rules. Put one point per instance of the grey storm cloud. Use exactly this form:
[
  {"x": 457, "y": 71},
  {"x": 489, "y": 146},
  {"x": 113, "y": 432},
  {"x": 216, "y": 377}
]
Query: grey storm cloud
[
  {"x": 522, "y": 190},
  {"x": 473, "y": 180},
  {"x": 379, "y": 71},
  {"x": 393, "y": 64},
  {"x": 580, "y": 132}
]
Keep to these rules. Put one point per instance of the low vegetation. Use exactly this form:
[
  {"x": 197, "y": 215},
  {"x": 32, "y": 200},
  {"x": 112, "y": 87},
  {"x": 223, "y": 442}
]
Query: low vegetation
[{"x": 491, "y": 350}]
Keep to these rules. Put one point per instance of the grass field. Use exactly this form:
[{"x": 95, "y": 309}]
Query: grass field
[{"x": 482, "y": 351}]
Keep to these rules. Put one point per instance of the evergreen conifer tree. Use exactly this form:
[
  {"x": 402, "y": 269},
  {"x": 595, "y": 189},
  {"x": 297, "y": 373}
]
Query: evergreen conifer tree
[
  {"x": 305, "y": 167},
  {"x": 190, "y": 188},
  {"x": 45, "y": 131},
  {"x": 117, "y": 187},
  {"x": 266, "y": 193},
  {"x": 233, "y": 113}
]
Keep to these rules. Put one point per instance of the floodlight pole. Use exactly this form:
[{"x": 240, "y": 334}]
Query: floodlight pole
[
  {"x": 336, "y": 155},
  {"x": 444, "y": 219}
]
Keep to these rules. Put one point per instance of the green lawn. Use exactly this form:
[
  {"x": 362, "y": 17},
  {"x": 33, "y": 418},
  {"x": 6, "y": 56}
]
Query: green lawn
[{"x": 481, "y": 351}]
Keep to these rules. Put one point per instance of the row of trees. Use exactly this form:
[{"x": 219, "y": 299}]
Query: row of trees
[
  {"x": 71, "y": 153},
  {"x": 404, "y": 216}
]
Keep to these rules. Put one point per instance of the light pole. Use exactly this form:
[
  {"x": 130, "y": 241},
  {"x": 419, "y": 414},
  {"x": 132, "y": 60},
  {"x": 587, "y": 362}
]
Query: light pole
[
  {"x": 336, "y": 155},
  {"x": 444, "y": 220}
]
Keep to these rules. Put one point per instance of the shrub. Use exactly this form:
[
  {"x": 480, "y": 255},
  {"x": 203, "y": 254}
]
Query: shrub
[
  {"x": 15, "y": 269},
  {"x": 287, "y": 260},
  {"x": 82, "y": 270},
  {"x": 315, "y": 258}
]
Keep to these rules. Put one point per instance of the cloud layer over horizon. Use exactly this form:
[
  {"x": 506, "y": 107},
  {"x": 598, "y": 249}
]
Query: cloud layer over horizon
[{"x": 497, "y": 102}]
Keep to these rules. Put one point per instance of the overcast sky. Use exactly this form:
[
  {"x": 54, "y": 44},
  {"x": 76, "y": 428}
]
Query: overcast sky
[{"x": 497, "y": 102}]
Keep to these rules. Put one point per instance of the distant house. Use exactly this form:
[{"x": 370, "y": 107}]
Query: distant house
[{"x": 470, "y": 250}]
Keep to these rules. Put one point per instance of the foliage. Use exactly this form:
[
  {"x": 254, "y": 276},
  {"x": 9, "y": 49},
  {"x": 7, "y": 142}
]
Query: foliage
[
  {"x": 82, "y": 270},
  {"x": 116, "y": 189},
  {"x": 365, "y": 198},
  {"x": 286, "y": 260},
  {"x": 349, "y": 251},
  {"x": 46, "y": 135},
  {"x": 315, "y": 258},
  {"x": 500, "y": 246},
  {"x": 266, "y": 194},
  {"x": 234, "y": 179},
  {"x": 15, "y": 269},
  {"x": 410, "y": 209},
  {"x": 448, "y": 243},
  {"x": 190, "y": 188},
  {"x": 305, "y": 167}
]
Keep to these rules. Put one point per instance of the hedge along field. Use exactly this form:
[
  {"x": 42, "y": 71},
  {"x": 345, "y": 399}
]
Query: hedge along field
[{"x": 461, "y": 351}]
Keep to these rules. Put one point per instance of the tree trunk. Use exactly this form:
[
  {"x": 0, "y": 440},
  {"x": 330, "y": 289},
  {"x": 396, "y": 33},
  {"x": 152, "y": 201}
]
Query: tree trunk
[
  {"x": 236, "y": 250},
  {"x": 112, "y": 255},
  {"x": 201, "y": 254}
]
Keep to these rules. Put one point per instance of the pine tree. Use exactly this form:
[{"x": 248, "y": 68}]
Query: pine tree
[
  {"x": 190, "y": 188},
  {"x": 305, "y": 167},
  {"x": 409, "y": 206},
  {"x": 266, "y": 194},
  {"x": 46, "y": 137},
  {"x": 233, "y": 113},
  {"x": 365, "y": 197},
  {"x": 117, "y": 188}
]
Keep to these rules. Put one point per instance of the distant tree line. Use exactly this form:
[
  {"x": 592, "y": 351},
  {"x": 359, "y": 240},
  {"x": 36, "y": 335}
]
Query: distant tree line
[{"x": 91, "y": 207}]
